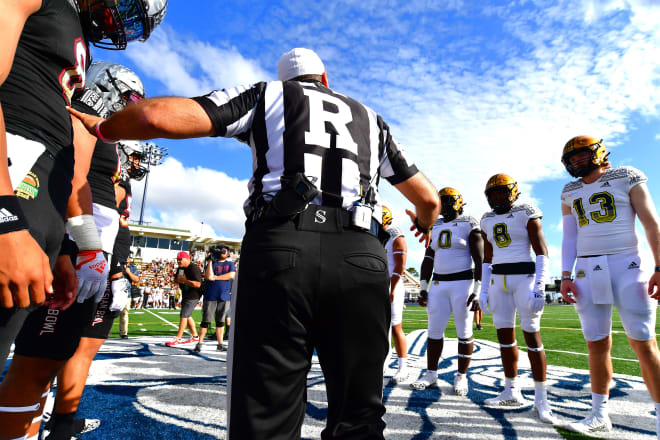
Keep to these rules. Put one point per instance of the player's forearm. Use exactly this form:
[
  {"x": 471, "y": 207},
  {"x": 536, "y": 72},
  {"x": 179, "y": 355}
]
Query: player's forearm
[
  {"x": 6, "y": 188},
  {"x": 80, "y": 201},
  {"x": 653, "y": 237},
  {"x": 426, "y": 271}
]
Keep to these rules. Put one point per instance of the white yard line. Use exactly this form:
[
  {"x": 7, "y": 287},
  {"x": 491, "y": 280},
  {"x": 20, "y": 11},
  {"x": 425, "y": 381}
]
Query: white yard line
[{"x": 163, "y": 319}]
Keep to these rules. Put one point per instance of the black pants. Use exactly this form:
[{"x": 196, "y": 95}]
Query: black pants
[
  {"x": 45, "y": 209},
  {"x": 299, "y": 291}
]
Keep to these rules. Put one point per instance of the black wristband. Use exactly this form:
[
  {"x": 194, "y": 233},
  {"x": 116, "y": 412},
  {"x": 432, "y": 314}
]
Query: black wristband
[
  {"x": 12, "y": 218},
  {"x": 657, "y": 268},
  {"x": 419, "y": 228},
  {"x": 68, "y": 246}
]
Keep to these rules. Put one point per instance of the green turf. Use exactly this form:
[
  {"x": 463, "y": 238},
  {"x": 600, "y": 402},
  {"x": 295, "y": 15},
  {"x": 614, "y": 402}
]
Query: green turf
[{"x": 560, "y": 329}]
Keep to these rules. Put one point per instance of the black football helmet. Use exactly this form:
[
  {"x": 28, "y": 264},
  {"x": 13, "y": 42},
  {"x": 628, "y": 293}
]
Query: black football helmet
[{"x": 111, "y": 24}]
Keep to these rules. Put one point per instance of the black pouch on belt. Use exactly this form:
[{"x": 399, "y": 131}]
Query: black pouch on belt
[{"x": 296, "y": 193}]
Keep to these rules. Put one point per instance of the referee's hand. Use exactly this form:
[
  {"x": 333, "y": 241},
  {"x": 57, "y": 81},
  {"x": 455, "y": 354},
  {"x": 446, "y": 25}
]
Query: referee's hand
[
  {"x": 424, "y": 237},
  {"x": 25, "y": 275}
]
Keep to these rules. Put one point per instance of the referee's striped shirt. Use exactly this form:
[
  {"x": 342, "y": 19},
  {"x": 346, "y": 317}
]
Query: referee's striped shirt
[{"x": 302, "y": 126}]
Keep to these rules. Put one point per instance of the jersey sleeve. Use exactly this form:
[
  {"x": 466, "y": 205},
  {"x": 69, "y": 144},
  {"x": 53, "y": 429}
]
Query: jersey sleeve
[
  {"x": 474, "y": 224},
  {"x": 395, "y": 232},
  {"x": 232, "y": 110},
  {"x": 634, "y": 177},
  {"x": 531, "y": 212},
  {"x": 90, "y": 102},
  {"x": 395, "y": 166}
]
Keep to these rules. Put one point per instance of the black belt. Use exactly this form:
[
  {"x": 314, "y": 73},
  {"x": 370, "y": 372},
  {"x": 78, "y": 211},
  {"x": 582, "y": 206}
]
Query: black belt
[
  {"x": 317, "y": 218},
  {"x": 589, "y": 256},
  {"x": 514, "y": 268},
  {"x": 456, "y": 276}
]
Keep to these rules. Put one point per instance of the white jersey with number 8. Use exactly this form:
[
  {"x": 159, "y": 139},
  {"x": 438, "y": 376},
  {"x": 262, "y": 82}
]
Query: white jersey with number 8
[{"x": 507, "y": 233}]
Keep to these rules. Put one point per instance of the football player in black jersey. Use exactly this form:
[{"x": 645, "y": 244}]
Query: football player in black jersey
[
  {"x": 110, "y": 86},
  {"x": 42, "y": 64}
]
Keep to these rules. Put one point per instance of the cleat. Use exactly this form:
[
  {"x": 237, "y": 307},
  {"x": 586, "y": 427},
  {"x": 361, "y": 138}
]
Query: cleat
[
  {"x": 429, "y": 380},
  {"x": 221, "y": 348},
  {"x": 478, "y": 326},
  {"x": 508, "y": 397},
  {"x": 175, "y": 341},
  {"x": 545, "y": 413},
  {"x": 461, "y": 386},
  {"x": 123, "y": 336},
  {"x": 81, "y": 426},
  {"x": 400, "y": 376},
  {"x": 198, "y": 348},
  {"x": 591, "y": 425}
]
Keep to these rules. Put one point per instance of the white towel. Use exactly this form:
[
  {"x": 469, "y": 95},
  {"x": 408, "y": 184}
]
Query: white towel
[{"x": 600, "y": 281}]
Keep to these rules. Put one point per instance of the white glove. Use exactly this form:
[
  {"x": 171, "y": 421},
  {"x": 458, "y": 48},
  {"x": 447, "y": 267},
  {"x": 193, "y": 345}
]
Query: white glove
[
  {"x": 483, "y": 301},
  {"x": 536, "y": 300},
  {"x": 92, "y": 271},
  {"x": 120, "y": 288}
]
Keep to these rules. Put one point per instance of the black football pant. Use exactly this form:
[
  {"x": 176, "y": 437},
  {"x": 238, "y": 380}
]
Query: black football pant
[{"x": 301, "y": 290}]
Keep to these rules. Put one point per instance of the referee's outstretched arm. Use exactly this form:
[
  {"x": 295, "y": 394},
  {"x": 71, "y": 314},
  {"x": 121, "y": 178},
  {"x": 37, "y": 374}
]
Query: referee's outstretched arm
[{"x": 421, "y": 193}]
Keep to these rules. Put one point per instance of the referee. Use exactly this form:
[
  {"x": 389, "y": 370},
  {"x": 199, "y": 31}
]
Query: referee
[{"x": 313, "y": 274}]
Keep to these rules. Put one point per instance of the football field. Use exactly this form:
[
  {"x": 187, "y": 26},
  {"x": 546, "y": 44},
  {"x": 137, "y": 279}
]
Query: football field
[
  {"x": 562, "y": 336},
  {"x": 141, "y": 389}
]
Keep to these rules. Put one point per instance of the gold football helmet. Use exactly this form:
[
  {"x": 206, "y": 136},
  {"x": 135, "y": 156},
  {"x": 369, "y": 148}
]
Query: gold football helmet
[
  {"x": 505, "y": 182},
  {"x": 387, "y": 216},
  {"x": 578, "y": 144},
  {"x": 451, "y": 201}
]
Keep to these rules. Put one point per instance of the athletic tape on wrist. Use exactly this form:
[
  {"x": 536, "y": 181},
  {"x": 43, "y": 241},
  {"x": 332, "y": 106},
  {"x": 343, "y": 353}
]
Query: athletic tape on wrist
[
  {"x": 467, "y": 356},
  {"x": 83, "y": 231},
  {"x": 12, "y": 218},
  {"x": 509, "y": 345},
  {"x": 424, "y": 285}
]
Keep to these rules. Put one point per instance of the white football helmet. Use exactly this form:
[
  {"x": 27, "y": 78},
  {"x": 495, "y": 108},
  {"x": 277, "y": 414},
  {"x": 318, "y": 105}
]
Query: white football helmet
[
  {"x": 117, "y": 84},
  {"x": 131, "y": 153}
]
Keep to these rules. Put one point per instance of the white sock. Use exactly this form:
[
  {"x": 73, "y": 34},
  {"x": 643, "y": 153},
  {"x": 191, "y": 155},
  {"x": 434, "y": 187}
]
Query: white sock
[
  {"x": 459, "y": 374},
  {"x": 540, "y": 391},
  {"x": 599, "y": 403},
  {"x": 511, "y": 382},
  {"x": 402, "y": 363},
  {"x": 434, "y": 373}
]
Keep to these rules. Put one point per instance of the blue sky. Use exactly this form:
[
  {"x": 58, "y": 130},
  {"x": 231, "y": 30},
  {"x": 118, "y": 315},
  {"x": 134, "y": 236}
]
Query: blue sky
[{"x": 469, "y": 88}]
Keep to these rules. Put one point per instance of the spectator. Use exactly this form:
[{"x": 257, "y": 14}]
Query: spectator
[
  {"x": 220, "y": 272},
  {"x": 189, "y": 278},
  {"x": 132, "y": 274}
]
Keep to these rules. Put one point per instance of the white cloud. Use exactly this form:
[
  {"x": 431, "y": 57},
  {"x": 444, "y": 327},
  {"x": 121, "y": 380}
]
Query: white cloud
[{"x": 181, "y": 197}]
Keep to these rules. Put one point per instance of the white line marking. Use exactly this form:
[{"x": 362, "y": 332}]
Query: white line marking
[
  {"x": 163, "y": 319},
  {"x": 586, "y": 354}
]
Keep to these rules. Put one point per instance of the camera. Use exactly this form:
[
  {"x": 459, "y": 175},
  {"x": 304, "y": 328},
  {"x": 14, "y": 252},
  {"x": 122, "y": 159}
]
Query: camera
[{"x": 215, "y": 253}]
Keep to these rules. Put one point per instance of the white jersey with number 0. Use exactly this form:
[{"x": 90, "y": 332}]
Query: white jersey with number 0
[
  {"x": 507, "y": 233},
  {"x": 451, "y": 243},
  {"x": 603, "y": 212}
]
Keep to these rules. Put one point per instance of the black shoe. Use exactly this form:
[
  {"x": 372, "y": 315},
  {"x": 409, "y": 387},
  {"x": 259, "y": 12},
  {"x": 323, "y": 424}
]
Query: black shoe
[
  {"x": 221, "y": 348},
  {"x": 478, "y": 326},
  {"x": 198, "y": 348},
  {"x": 123, "y": 336},
  {"x": 225, "y": 336}
]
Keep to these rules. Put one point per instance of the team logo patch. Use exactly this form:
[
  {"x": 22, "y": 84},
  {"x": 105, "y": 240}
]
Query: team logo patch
[
  {"x": 580, "y": 274},
  {"x": 29, "y": 187},
  {"x": 633, "y": 265},
  {"x": 605, "y": 184},
  {"x": 597, "y": 267}
]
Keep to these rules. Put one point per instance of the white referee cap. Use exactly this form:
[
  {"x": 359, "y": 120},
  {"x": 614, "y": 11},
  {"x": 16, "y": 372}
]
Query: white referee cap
[{"x": 299, "y": 61}]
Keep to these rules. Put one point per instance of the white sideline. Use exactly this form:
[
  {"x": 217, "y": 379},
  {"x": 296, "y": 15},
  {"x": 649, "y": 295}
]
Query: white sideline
[{"x": 163, "y": 319}]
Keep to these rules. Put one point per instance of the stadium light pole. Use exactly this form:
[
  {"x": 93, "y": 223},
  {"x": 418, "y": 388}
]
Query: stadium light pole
[{"x": 154, "y": 155}]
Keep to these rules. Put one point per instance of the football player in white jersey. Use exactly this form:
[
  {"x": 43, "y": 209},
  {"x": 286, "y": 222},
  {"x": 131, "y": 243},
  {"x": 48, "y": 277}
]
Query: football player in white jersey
[
  {"x": 456, "y": 241},
  {"x": 513, "y": 280},
  {"x": 599, "y": 232},
  {"x": 396, "y": 249}
]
